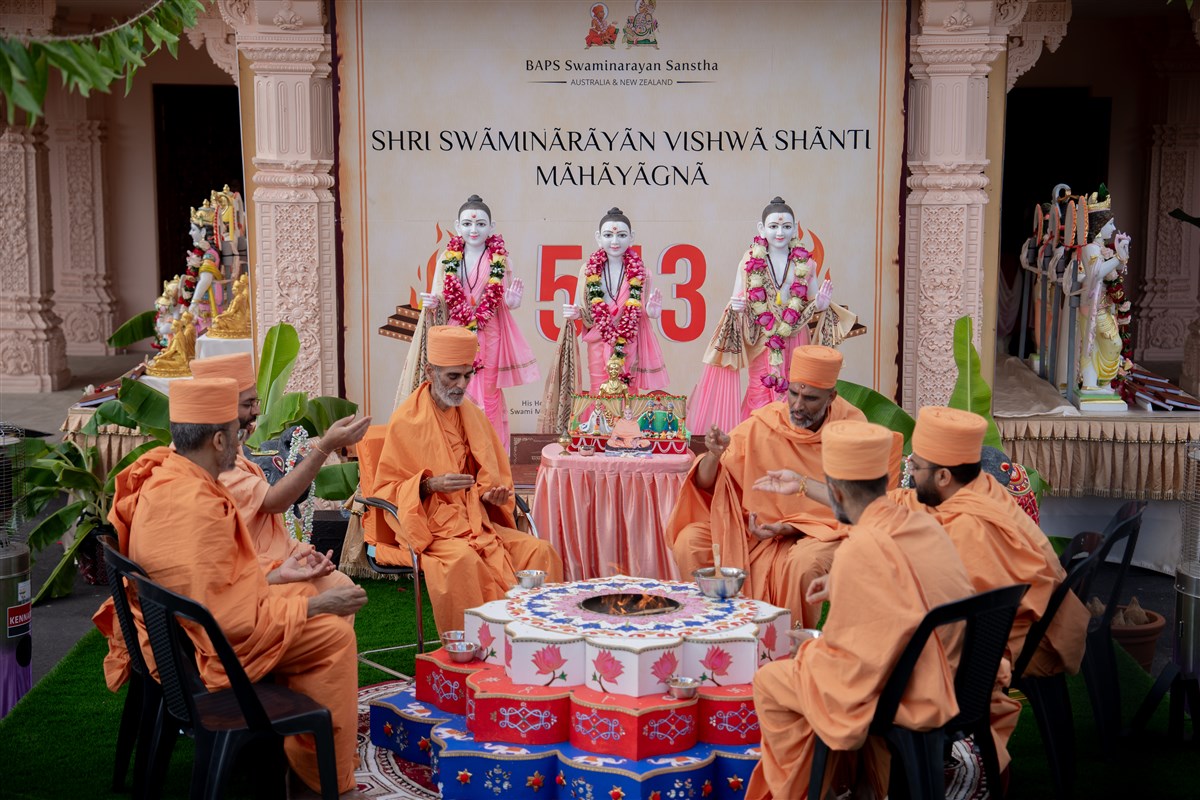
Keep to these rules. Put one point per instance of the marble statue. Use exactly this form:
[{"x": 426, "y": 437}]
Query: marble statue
[
  {"x": 1103, "y": 261},
  {"x": 166, "y": 311},
  {"x": 202, "y": 282},
  {"x": 772, "y": 310}
]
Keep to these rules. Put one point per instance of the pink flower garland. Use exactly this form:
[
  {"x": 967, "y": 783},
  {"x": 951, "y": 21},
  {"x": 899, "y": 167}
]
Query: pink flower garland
[
  {"x": 764, "y": 316},
  {"x": 457, "y": 303},
  {"x": 621, "y": 332}
]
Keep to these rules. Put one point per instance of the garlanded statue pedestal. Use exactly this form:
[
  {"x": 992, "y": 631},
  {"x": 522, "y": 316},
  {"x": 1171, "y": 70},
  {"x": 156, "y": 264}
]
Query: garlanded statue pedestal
[{"x": 568, "y": 695}]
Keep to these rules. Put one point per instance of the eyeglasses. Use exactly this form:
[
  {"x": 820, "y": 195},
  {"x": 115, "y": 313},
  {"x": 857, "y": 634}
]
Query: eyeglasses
[
  {"x": 911, "y": 465},
  {"x": 241, "y": 435}
]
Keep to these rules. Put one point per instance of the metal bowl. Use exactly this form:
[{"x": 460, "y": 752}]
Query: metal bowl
[
  {"x": 461, "y": 652},
  {"x": 531, "y": 578},
  {"x": 720, "y": 587},
  {"x": 682, "y": 688},
  {"x": 453, "y": 636}
]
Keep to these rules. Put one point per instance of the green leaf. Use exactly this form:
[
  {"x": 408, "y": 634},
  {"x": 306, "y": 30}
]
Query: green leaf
[
  {"x": 125, "y": 41},
  {"x": 134, "y": 330},
  {"x": 158, "y": 33},
  {"x": 148, "y": 406},
  {"x": 337, "y": 481},
  {"x": 971, "y": 391},
  {"x": 20, "y": 61},
  {"x": 286, "y": 411},
  {"x": 878, "y": 409},
  {"x": 78, "y": 480},
  {"x": 62, "y": 579},
  {"x": 108, "y": 413},
  {"x": 1037, "y": 484},
  {"x": 52, "y": 528},
  {"x": 324, "y": 411},
  {"x": 280, "y": 347}
]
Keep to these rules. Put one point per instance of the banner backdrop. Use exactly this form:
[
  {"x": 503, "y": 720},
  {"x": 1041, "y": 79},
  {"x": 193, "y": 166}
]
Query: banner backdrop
[{"x": 689, "y": 116}]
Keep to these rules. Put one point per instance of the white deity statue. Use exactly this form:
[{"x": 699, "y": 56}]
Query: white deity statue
[{"x": 1100, "y": 342}]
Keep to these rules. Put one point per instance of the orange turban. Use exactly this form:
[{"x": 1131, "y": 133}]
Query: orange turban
[
  {"x": 239, "y": 366},
  {"x": 451, "y": 346},
  {"x": 815, "y": 365},
  {"x": 204, "y": 401},
  {"x": 852, "y": 450},
  {"x": 948, "y": 436}
]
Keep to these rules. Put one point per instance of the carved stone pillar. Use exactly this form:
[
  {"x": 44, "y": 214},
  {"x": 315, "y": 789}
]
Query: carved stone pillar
[
  {"x": 951, "y": 57},
  {"x": 294, "y": 270},
  {"x": 83, "y": 295},
  {"x": 1044, "y": 23},
  {"x": 33, "y": 354},
  {"x": 1169, "y": 302}
]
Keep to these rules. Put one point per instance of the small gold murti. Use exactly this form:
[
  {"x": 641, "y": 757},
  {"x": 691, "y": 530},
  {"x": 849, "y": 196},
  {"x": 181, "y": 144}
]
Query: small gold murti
[
  {"x": 175, "y": 359},
  {"x": 234, "y": 321}
]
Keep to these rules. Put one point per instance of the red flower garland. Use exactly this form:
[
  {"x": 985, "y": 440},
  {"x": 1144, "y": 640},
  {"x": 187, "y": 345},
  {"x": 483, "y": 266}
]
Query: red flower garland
[
  {"x": 616, "y": 329},
  {"x": 458, "y": 304}
]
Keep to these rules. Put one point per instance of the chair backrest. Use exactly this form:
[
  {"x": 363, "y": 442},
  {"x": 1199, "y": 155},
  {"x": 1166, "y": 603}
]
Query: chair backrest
[
  {"x": 1125, "y": 526},
  {"x": 1085, "y": 558},
  {"x": 1080, "y": 547},
  {"x": 121, "y": 569},
  {"x": 181, "y": 682},
  {"x": 988, "y": 617}
]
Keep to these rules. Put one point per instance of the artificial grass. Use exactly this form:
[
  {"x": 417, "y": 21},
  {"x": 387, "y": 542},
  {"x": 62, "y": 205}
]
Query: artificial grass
[{"x": 59, "y": 740}]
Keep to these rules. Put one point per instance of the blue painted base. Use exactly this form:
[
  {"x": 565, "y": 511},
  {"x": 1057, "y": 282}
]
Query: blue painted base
[{"x": 467, "y": 769}]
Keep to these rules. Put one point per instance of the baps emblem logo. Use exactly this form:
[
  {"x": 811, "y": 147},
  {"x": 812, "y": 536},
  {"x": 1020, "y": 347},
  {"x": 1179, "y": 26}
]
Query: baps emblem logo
[{"x": 640, "y": 30}]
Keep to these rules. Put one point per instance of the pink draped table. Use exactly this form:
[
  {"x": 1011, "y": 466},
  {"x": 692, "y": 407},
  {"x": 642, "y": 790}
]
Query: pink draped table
[{"x": 606, "y": 514}]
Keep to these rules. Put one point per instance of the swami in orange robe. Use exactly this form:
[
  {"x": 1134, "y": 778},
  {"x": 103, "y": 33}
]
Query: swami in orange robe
[
  {"x": 1000, "y": 545},
  {"x": 179, "y": 524},
  {"x": 247, "y": 483},
  {"x": 894, "y": 566},
  {"x": 784, "y": 434},
  {"x": 445, "y": 469}
]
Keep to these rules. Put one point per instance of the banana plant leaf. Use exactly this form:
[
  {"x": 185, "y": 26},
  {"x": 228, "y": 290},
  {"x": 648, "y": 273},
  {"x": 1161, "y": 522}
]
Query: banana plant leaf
[
  {"x": 878, "y": 409},
  {"x": 321, "y": 412},
  {"x": 148, "y": 407},
  {"x": 277, "y": 417},
  {"x": 971, "y": 391},
  {"x": 134, "y": 330},
  {"x": 111, "y": 412},
  {"x": 52, "y": 528},
  {"x": 337, "y": 481},
  {"x": 62, "y": 578},
  {"x": 279, "y": 408}
]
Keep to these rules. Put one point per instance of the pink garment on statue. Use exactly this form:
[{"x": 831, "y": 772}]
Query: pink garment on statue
[
  {"x": 507, "y": 359},
  {"x": 645, "y": 362},
  {"x": 758, "y": 395},
  {"x": 605, "y": 515},
  {"x": 715, "y": 399}
]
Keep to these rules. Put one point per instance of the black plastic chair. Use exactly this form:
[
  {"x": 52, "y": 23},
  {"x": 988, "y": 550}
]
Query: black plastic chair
[
  {"x": 144, "y": 699},
  {"x": 917, "y": 756},
  {"x": 226, "y": 720},
  {"x": 1048, "y": 694},
  {"x": 1099, "y": 660}
]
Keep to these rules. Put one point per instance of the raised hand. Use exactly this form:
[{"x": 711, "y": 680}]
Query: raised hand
[
  {"x": 654, "y": 305},
  {"x": 304, "y": 566},
  {"x": 716, "y": 441},
  {"x": 343, "y": 433},
  {"x": 824, "y": 294},
  {"x": 737, "y": 303},
  {"x": 780, "y": 481},
  {"x": 430, "y": 301},
  {"x": 514, "y": 293},
  {"x": 570, "y": 311}
]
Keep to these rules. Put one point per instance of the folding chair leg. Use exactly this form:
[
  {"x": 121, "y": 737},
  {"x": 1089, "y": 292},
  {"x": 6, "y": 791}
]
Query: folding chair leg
[
  {"x": 817, "y": 776},
  {"x": 162, "y": 744},
  {"x": 202, "y": 766},
  {"x": 326, "y": 760},
  {"x": 1052, "y": 709},
  {"x": 416, "y": 579},
  {"x": 991, "y": 759}
]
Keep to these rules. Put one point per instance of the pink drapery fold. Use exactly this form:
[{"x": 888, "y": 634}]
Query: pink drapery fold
[
  {"x": 507, "y": 361},
  {"x": 714, "y": 401},
  {"x": 606, "y": 515},
  {"x": 758, "y": 395},
  {"x": 644, "y": 361}
]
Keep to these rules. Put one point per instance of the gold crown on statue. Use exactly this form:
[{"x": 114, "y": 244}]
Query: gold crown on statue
[
  {"x": 204, "y": 215},
  {"x": 1099, "y": 200},
  {"x": 226, "y": 201}
]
